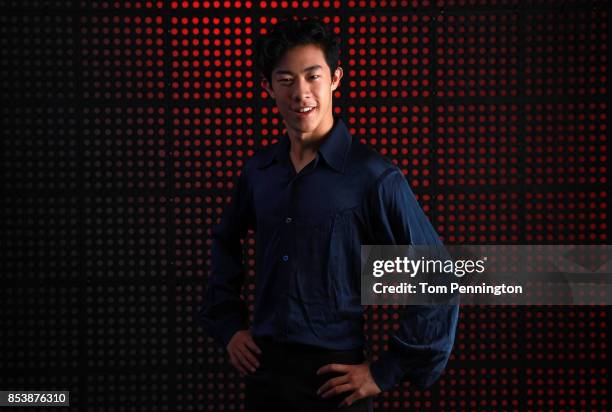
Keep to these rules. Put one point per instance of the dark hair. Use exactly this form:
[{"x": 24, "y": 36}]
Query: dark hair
[{"x": 291, "y": 32}]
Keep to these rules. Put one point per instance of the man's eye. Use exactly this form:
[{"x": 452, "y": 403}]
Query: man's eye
[{"x": 316, "y": 75}]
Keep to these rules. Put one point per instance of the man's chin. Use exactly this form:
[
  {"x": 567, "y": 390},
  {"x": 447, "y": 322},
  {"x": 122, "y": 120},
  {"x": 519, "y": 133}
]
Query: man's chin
[{"x": 302, "y": 127}]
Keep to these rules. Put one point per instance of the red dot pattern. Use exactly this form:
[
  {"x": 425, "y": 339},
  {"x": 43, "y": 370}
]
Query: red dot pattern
[
  {"x": 566, "y": 143},
  {"x": 122, "y": 57},
  {"x": 211, "y": 58},
  {"x": 389, "y": 56},
  {"x": 477, "y": 145},
  {"x": 566, "y": 55},
  {"x": 477, "y": 55},
  {"x": 130, "y": 121}
]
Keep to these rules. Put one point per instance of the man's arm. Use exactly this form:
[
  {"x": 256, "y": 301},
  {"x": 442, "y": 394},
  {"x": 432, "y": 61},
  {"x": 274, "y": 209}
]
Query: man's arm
[
  {"x": 420, "y": 348},
  {"x": 223, "y": 312}
]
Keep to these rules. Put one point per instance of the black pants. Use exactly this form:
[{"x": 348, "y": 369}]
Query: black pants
[{"x": 286, "y": 379}]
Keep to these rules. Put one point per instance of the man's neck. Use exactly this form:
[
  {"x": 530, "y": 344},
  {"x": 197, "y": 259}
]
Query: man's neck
[{"x": 304, "y": 150}]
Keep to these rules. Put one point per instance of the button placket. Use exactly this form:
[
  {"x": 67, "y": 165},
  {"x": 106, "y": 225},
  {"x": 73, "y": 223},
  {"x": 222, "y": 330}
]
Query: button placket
[
  {"x": 286, "y": 232},
  {"x": 289, "y": 231},
  {"x": 286, "y": 250}
]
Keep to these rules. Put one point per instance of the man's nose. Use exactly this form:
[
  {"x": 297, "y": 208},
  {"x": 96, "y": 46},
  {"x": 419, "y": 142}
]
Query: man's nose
[{"x": 301, "y": 90}]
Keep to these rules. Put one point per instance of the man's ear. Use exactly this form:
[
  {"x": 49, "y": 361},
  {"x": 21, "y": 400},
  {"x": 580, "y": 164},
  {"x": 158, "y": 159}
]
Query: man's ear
[
  {"x": 336, "y": 78},
  {"x": 266, "y": 85}
]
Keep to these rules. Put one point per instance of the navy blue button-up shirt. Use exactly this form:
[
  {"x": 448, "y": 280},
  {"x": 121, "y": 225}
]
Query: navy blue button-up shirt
[{"x": 309, "y": 230}]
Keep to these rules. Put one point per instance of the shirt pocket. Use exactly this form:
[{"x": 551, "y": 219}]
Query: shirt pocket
[
  {"x": 312, "y": 241},
  {"x": 344, "y": 266}
]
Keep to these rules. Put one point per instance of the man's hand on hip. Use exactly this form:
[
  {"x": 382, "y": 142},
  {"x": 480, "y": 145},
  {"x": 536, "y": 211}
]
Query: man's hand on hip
[
  {"x": 356, "y": 378},
  {"x": 242, "y": 350}
]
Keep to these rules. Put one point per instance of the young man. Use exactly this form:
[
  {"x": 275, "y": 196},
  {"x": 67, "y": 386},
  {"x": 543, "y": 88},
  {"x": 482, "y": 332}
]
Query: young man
[{"x": 313, "y": 199}]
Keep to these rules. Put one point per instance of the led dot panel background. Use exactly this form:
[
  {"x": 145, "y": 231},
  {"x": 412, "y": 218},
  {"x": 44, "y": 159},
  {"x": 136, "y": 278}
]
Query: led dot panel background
[{"x": 126, "y": 125}]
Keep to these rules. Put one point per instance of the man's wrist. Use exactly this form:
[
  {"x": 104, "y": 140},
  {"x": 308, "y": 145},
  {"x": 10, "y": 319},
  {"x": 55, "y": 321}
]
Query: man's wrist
[
  {"x": 230, "y": 329},
  {"x": 385, "y": 372}
]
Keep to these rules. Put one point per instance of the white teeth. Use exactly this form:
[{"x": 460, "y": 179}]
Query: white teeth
[{"x": 306, "y": 109}]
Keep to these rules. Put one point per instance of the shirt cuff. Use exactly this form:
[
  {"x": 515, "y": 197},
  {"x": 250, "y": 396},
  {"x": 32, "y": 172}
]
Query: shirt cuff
[
  {"x": 230, "y": 327},
  {"x": 387, "y": 372}
]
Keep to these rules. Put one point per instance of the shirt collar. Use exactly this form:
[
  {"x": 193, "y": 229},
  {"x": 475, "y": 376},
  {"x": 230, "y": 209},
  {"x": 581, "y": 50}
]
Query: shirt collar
[{"x": 334, "y": 149}]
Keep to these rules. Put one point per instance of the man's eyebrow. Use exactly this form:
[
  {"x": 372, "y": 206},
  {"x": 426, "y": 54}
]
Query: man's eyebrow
[{"x": 280, "y": 71}]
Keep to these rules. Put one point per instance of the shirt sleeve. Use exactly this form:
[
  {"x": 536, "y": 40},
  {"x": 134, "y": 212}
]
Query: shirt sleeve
[
  {"x": 419, "y": 350},
  {"x": 223, "y": 312}
]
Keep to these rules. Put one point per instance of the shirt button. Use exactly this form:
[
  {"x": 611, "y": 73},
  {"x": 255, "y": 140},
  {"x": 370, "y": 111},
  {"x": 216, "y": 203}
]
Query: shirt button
[
  {"x": 286, "y": 258},
  {"x": 288, "y": 220}
]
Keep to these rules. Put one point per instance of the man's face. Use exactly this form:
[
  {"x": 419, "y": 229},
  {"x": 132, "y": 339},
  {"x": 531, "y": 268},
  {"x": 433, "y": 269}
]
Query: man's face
[{"x": 302, "y": 79}]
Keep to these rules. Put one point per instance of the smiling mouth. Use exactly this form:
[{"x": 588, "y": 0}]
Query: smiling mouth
[{"x": 312, "y": 108}]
